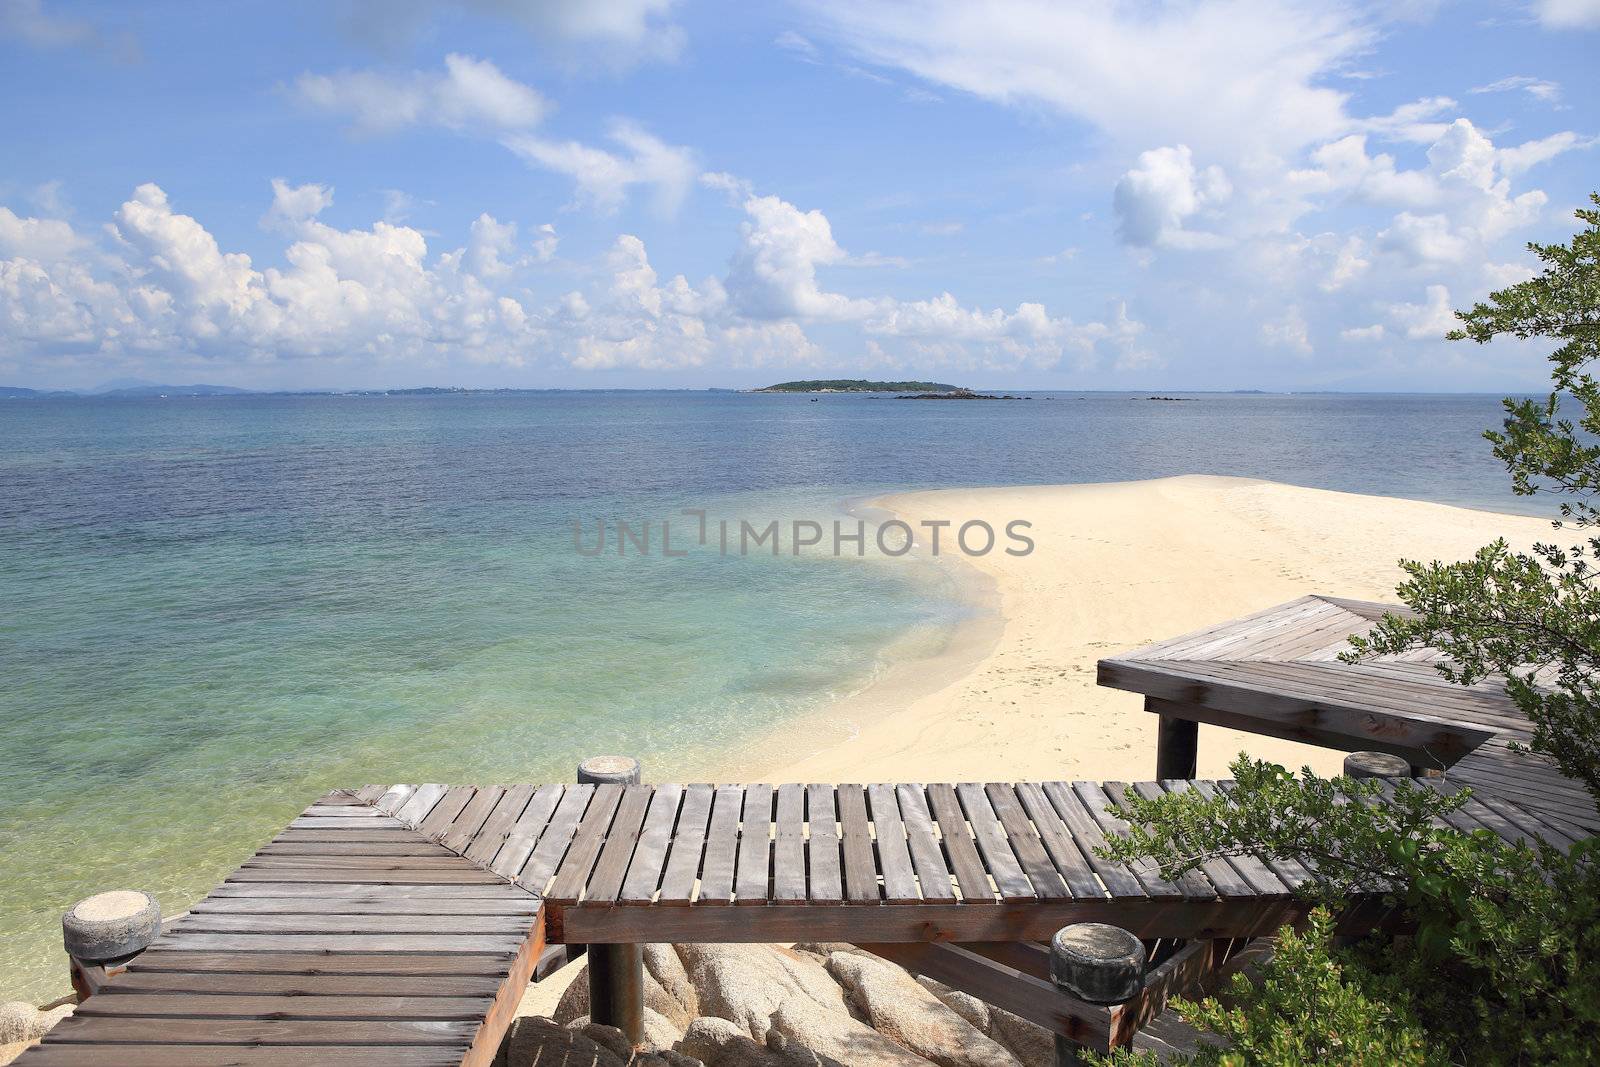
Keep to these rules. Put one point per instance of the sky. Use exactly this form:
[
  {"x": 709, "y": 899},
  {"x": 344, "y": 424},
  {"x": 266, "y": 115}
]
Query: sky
[{"x": 1222, "y": 194}]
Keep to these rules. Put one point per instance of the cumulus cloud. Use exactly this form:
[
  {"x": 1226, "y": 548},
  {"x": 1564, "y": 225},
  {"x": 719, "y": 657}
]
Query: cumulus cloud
[
  {"x": 159, "y": 284},
  {"x": 1161, "y": 192},
  {"x": 1429, "y": 320},
  {"x": 603, "y": 177},
  {"x": 469, "y": 94}
]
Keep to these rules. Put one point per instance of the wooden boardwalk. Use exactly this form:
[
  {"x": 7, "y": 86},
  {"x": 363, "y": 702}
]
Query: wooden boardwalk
[
  {"x": 400, "y": 924},
  {"x": 1278, "y": 672}
]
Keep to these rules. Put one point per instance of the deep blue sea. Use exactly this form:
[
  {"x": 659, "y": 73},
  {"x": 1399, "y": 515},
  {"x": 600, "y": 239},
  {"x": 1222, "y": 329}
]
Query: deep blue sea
[{"x": 213, "y": 609}]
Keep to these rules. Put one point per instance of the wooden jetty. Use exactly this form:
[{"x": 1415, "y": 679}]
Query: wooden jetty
[{"x": 399, "y": 924}]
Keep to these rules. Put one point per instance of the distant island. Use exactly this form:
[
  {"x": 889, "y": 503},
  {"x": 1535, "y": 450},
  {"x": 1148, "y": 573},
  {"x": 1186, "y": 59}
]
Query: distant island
[{"x": 858, "y": 385}]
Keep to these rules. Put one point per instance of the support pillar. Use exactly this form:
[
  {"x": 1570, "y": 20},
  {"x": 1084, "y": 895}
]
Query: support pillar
[
  {"x": 1096, "y": 963},
  {"x": 102, "y": 933},
  {"x": 1177, "y": 747},
  {"x": 616, "y": 972}
]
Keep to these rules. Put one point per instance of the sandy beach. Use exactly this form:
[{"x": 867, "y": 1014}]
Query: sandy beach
[{"x": 1117, "y": 565}]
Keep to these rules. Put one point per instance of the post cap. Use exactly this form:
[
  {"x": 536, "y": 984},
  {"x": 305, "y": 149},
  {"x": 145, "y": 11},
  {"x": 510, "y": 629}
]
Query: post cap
[
  {"x": 1098, "y": 963},
  {"x": 599, "y": 770},
  {"x": 1376, "y": 765},
  {"x": 111, "y": 926}
]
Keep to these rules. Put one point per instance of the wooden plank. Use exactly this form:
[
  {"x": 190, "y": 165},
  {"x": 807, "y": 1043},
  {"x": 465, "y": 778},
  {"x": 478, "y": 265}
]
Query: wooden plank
[
  {"x": 453, "y": 944},
  {"x": 1024, "y": 995},
  {"x": 552, "y": 811},
  {"x": 1024, "y": 841},
  {"x": 162, "y": 959},
  {"x": 573, "y": 873},
  {"x": 1221, "y": 874},
  {"x": 302, "y": 923},
  {"x": 1119, "y": 879},
  {"x": 823, "y": 845},
  {"x": 417, "y": 877},
  {"x": 789, "y": 846},
  {"x": 753, "y": 877},
  {"x": 688, "y": 844},
  {"x": 1024, "y": 921},
  {"x": 75, "y": 1030},
  {"x": 421, "y": 802},
  {"x": 486, "y": 842},
  {"x": 493, "y": 890},
  {"x": 394, "y": 798},
  {"x": 899, "y": 875},
  {"x": 216, "y": 983},
  {"x": 959, "y": 846},
  {"x": 933, "y": 877},
  {"x": 612, "y": 866},
  {"x": 860, "y": 872},
  {"x": 367, "y": 905},
  {"x": 992, "y": 843},
  {"x": 454, "y": 801},
  {"x": 174, "y": 1055},
  {"x": 464, "y": 829},
  {"x": 365, "y": 825},
  {"x": 722, "y": 846},
  {"x": 554, "y": 839},
  {"x": 1292, "y": 872},
  {"x": 202, "y": 1006},
  {"x": 650, "y": 855},
  {"x": 1260, "y": 877},
  {"x": 1067, "y": 857},
  {"x": 1097, "y": 800}
]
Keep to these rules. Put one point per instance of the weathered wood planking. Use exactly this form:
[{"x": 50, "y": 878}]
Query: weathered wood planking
[
  {"x": 331, "y": 946},
  {"x": 1278, "y": 673}
]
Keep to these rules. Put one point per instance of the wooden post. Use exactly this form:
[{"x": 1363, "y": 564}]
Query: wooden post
[
  {"x": 1096, "y": 963},
  {"x": 616, "y": 972},
  {"x": 1376, "y": 765},
  {"x": 1177, "y": 745}
]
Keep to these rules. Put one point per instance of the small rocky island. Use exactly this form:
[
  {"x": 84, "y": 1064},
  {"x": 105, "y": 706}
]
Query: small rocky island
[
  {"x": 858, "y": 385},
  {"x": 961, "y": 394}
]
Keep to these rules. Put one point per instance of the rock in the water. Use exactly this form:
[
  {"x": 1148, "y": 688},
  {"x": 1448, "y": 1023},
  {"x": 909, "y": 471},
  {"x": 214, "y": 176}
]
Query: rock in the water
[
  {"x": 902, "y": 1010},
  {"x": 21, "y": 1022},
  {"x": 535, "y": 1042}
]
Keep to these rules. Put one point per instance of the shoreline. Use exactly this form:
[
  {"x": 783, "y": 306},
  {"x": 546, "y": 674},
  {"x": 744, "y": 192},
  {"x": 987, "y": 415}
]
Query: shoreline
[{"x": 1012, "y": 693}]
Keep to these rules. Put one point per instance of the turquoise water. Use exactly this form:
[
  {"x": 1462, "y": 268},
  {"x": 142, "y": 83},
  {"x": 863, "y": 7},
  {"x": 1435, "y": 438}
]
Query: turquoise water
[{"x": 212, "y": 610}]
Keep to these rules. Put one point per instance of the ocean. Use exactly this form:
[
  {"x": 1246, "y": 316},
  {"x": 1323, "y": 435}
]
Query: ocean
[{"x": 214, "y": 609}]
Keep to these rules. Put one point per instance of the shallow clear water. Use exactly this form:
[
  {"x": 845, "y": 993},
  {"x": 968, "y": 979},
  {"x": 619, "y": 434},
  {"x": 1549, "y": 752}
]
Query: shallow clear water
[{"x": 212, "y": 610}]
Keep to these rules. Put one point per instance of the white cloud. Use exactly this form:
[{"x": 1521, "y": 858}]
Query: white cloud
[
  {"x": 1429, "y": 320},
  {"x": 1161, "y": 193},
  {"x": 1375, "y": 332},
  {"x": 470, "y": 94},
  {"x": 160, "y": 286},
  {"x": 1568, "y": 14},
  {"x": 1531, "y": 153},
  {"x": 1163, "y": 74},
  {"x": 1288, "y": 331},
  {"x": 604, "y": 178},
  {"x": 1548, "y": 92},
  {"x": 30, "y": 22}
]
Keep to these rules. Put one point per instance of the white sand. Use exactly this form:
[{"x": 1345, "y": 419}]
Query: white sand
[{"x": 1116, "y": 566}]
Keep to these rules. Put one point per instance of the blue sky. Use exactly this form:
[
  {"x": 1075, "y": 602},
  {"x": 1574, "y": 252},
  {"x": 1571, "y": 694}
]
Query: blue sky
[{"x": 1243, "y": 194}]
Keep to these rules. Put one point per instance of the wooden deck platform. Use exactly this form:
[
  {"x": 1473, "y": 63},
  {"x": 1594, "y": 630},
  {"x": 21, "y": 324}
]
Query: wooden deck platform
[
  {"x": 400, "y": 924},
  {"x": 1278, "y": 672}
]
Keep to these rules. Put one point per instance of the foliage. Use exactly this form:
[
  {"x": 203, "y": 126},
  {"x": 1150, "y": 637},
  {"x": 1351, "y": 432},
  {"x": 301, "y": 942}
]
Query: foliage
[
  {"x": 1504, "y": 964},
  {"x": 1300, "y": 1007}
]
